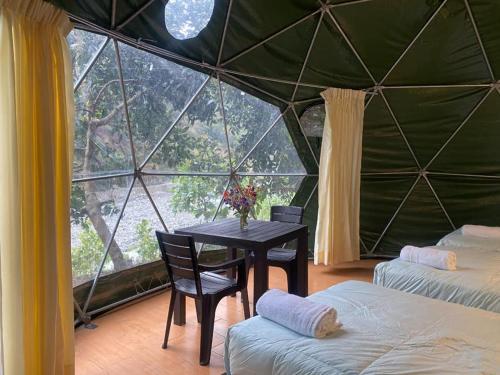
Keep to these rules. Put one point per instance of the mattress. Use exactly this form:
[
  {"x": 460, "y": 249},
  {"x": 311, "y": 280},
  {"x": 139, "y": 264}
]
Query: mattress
[
  {"x": 384, "y": 331},
  {"x": 475, "y": 283}
]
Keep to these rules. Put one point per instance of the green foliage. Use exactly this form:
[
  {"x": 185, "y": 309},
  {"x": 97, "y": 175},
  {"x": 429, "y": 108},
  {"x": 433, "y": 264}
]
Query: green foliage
[
  {"x": 83, "y": 45},
  {"x": 86, "y": 257},
  {"x": 189, "y": 195},
  {"x": 77, "y": 204},
  {"x": 264, "y": 203},
  {"x": 147, "y": 247}
]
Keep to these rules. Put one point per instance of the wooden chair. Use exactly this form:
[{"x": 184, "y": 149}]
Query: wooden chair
[
  {"x": 282, "y": 257},
  {"x": 188, "y": 278}
]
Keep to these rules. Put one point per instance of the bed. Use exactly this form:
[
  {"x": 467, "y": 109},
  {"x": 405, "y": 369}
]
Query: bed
[
  {"x": 384, "y": 331},
  {"x": 475, "y": 283}
]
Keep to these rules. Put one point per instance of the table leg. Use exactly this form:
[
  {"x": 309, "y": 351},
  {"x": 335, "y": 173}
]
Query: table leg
[
  {"x": 260, "y": 276},
  {"x": 231, "y": 254},
  {"x": 292, "y": 278},
  {"x": 301, "y": 264},
  {"x": 180, "y": 310}
]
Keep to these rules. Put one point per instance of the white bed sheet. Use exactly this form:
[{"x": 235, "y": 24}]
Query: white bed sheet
[
  {"x": 384, "y": 331},
  {"x": 475, "y": 283}
]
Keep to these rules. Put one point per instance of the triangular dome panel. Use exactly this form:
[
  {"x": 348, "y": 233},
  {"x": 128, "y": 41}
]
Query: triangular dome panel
[
  {"x": 332, "y": 62},
  {"x": 471, "y": 151},
  {"x": 420, "y": 222},
  {"x": 95, "y": 208},
  {"x": 197, "y": 143},
  {"x": 376, "y": 209},
  {"x": 83, "y": 46},
  {"x": 276, "y": 153},
  {"x": 486, "y": 14},
  {"x": 464, "y": 199},
  {"x": 136, "y": 243},
  {"x": 381, "y": 30},
  {"x": 447, "y": 52},
  {"x": 428, "y": 117},
  {"x": 287, "y": 46},
  {"x": 307, "y": 148},
  {"x": 102, "y": 143},
  {"x": 135, "y": 235},
  {"x": 247, "y": 119},
  {"x": 157, "y": 97},
  {"x": 384, "y": 149},
  {"x": 241, "y": 33}
]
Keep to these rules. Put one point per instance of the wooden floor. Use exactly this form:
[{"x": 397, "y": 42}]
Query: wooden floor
[{"x": 128, "y": 341}]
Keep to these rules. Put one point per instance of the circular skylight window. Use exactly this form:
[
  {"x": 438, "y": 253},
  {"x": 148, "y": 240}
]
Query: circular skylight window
[{"x": 185, "y": 19}]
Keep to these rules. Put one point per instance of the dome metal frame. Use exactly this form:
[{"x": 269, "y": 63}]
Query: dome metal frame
[{"x": 290, "y": 105}]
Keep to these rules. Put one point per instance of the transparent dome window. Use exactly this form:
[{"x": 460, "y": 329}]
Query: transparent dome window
[
  {"x": 313, "y": 120},
  {"x": 185, "y": 19}
]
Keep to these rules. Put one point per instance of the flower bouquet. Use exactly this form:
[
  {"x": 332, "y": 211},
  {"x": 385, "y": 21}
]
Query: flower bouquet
[{"x": 241, "y": 199}]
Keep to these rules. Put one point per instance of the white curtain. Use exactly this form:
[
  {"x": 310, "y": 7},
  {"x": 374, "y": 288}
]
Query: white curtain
[
  {"x": 337, "y": 230},
  {"x": 36, "y": 144}
]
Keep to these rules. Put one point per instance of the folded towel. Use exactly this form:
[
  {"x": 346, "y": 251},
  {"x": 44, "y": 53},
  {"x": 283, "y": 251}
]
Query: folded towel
[
  {"x": 442, "y": 259},
  {"x": 298, "y": 314},
  {"x": 481, "y": 231}
]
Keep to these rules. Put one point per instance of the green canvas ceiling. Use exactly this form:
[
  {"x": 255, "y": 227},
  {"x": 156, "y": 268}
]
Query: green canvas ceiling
[{"x": 431, "y": 160}]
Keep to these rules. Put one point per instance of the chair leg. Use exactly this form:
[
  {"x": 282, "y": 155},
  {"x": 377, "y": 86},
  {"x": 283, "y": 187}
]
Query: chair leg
[
  {"x": 231, "y": 254},
  {"x": 246, "y": 305},
  {"x": 248, "y": 262},
  {"x": 207, "y": 329},
  {"x": 169, "y": 318},
  {"x": 197, "y": 303}
]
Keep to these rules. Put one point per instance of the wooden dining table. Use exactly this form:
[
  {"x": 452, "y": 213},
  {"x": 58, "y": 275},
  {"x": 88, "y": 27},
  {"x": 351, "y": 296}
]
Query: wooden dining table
[{"x": 260, "y": 237}]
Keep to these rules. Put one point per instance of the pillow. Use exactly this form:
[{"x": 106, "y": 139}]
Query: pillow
[{"x": 457, "y": 239}]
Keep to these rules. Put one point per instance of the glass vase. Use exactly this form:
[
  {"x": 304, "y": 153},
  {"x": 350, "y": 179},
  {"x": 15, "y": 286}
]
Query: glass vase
[{"x": 244, "y": 221}]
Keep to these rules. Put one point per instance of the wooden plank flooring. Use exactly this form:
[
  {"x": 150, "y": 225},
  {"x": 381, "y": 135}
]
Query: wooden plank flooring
[{"x": 128, "y": 341}]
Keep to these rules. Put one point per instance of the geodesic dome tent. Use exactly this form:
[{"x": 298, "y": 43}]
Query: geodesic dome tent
[{"x": 168, "y": 120}]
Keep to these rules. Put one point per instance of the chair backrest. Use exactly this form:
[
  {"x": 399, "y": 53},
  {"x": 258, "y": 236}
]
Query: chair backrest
[
  {"x": 179, "y": 254},
  {"x": 287, "y": 214}
]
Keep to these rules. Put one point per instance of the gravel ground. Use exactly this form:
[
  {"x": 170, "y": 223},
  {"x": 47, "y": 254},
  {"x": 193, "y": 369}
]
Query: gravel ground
[{"x": 138, "y": 208}]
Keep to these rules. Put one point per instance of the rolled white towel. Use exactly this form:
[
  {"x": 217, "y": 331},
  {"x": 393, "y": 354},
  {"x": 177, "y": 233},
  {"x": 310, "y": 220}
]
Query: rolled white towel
[
  {"x": 298, "y": 314},
  {"x": 442, "y": 259},
  {"x": 481, "y": 231}
]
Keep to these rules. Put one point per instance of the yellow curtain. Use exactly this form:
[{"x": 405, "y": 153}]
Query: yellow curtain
[
  {"x": 337, "y": 230},
  {"x": 36, "y": 140}
]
